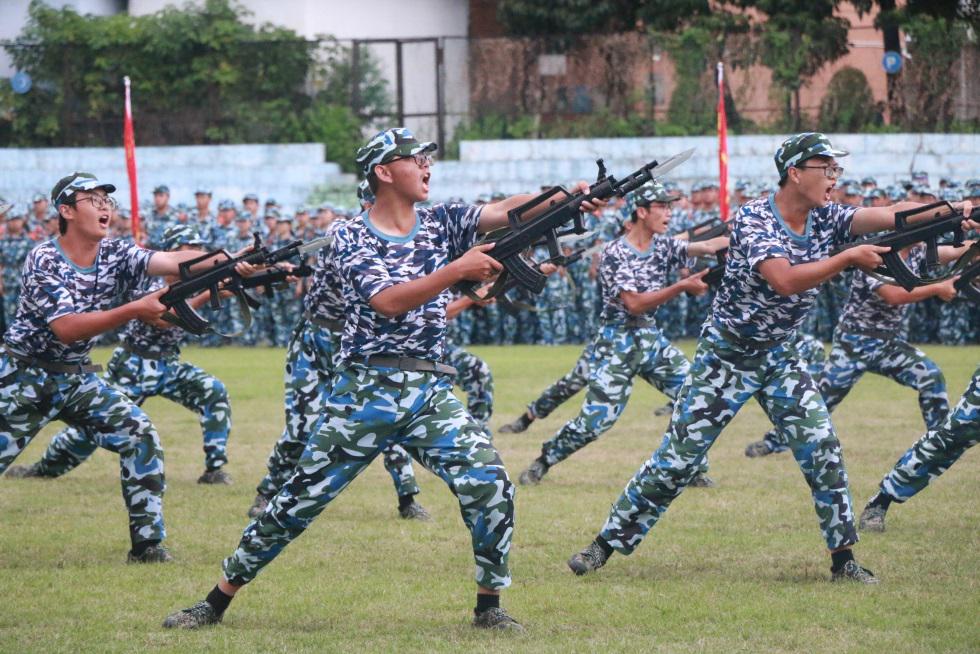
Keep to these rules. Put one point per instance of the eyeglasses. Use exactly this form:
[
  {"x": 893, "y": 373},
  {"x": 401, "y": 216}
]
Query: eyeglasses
[
  {"x": 830, "y": 172},
  {"x": 422, "y": 159},
  {"x": 99, "y": 201}
]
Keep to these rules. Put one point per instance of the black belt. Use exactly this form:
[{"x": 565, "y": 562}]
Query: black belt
[
  {"x": 632, "y": 323},
  {"x": 147, "y": 354},
  {"x": 409, "y": 364},
  {"x": 53, "y": 366},
  {"x": 746, "y": 343},
  {"x": 332, "y": 325}
]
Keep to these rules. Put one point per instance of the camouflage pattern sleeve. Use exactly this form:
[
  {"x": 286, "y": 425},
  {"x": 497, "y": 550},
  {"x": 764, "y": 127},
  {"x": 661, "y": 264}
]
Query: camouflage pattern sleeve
[
  {"x": 361, "y": 267},
  {"x": 45, "y": 290},
  {"x": 755, "y": 235}
]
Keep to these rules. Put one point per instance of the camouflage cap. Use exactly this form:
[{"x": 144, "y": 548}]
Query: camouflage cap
[
  {"x": 972, "y": 191},
  {"x": 202, "y": 190},
  {"x": 875, "y": 193},
  {"x": 387, "y": 146},
  {"x": 853, "y": 189},
  {"x": 161, "y": 188},
  {"x": 364, "y": 192},
  {"x": 283, "y": 218},
  {"x": 226, "y": 205},
  {"x": 650, "y": 193},
  {"x": 271, "y": 202},
  {"x": 39, "y": 196},
  {"x": 271, "y": 212},
  {"x": 67, "y": 186},
  {"x": 300, "y": 210},
  {"x": 243, "y": 216},
  {"x": 496, "y": 196},
  {"x": 797, "y": 149},
  {"x": 925, "y": 190},
  {"x": 177, "y": 235},
  {"x": 920, "y": 176},
  {"x": 250, "y": 196},
  {"x": 869, "y": 180},
  {"x": 897, "y": 193},
  {"x": 326, "y": 206}
]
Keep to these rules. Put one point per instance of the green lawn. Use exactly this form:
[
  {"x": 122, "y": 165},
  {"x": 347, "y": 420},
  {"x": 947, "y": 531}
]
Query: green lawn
[{"x": 737, "y": 568}]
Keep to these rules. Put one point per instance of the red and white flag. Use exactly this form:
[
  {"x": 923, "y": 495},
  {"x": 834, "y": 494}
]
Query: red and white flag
[
  {"x": 722, "y": 146},
  {"x": 129, "y": 142}
]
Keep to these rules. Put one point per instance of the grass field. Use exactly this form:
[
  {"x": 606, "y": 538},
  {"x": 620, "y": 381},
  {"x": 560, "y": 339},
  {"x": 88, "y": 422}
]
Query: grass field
[{"x": 740, "y": 567}]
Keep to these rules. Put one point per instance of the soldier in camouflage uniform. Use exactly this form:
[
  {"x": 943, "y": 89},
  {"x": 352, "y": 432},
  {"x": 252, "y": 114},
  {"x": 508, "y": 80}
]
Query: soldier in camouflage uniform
[
  {"x": 15, "y": 245},
  {"x": 160, "y": 218},
  {"x": 633, "y": 271},
  {"x": 929, "y": 457},
  {"x": 70, "y": 285},
  {"x": 311, "y": 362},
  {"x": 146, "y": 364},
  {"x": 954, "y": 317},
  {"x": 869, "y": 339},
  {"x": 778, "y": 256},
  {"x": 473, "y": 374},
  {"x": 396, "y": 262},
  {"x": 284, "y": 305}
]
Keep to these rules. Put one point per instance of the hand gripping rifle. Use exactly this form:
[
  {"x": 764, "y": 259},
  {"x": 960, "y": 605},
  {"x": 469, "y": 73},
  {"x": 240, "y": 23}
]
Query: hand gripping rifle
[
  {"x": 969, "y": 282},
  {"x": 930, "y": 223},
  {"x": 709, "y": 229},
  {"x": 221, "y": 276},
  {"x": 551, "y": 211}
]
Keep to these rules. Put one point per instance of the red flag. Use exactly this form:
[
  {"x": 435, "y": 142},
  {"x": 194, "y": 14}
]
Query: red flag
[
  {"x": 129, "y": 142},
  {"x": 722, "y": 146}
]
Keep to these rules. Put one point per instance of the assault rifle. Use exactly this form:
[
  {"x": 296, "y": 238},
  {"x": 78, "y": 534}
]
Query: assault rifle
[
  {"x": 969, "y": 282},
  {"x": 543, "y": 218},
  {"x": 709, "y": 229},
  {"x": 269, "y": 279},
  {"x": 931, "y": 222},
  {"x": 219, "y": 275}
]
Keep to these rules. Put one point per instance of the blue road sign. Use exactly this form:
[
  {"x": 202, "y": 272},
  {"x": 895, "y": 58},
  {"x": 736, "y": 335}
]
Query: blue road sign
[
  {"x": 892, "y": 62},
  {"x": 20, "y": 82}
]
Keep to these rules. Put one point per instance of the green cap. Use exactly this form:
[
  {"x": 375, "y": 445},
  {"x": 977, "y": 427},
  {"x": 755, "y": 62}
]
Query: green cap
[
  {"x": 797, "y": 149},
  {"x": 181, "y": 234},
  {"x": 389, "y": 145}
]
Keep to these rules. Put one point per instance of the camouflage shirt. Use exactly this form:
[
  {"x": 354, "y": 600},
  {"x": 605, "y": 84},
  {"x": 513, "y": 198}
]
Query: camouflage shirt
[
  {"x": 13, "y": 253},
  {"x": 745, "y": 303},
  {"x": 324, "y": 299},
  {"x": 52, "y": 287},
  {"x": 158, "y": 224},
  {"x": 370, "y": 262},
  {"x": 867, "y": 312},
  {"x": 148, "y": 338},
  {"x": 624, "y": 268}
]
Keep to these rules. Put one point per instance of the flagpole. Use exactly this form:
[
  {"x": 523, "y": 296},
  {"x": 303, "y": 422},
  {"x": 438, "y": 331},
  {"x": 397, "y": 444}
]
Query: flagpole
[
  {"x": 722, "y": 146},
  {"x": 129, "y": 143}
]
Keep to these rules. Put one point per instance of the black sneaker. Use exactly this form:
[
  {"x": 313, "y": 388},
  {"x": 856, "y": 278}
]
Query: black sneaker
[
  {"x": 258, "y": 506},
  {"x": 851, "y": 571},
  {"x": 152, "y": 554},
  {"x": 702, "y": 480},
  {"x": 218, "y": 476},
  {"x": 199, "y": 615},
  {"x": 872, "y": 519},
  {"x": 759, "y": 448},
  {"x": 534, "y": 473},
  {"x": 497, "y": 619},
  {"x": 24, "y": 472},
  {"x": 588, "y": 560},
  {"x": 519, "y": 425},
  {"x": 414, "y": 511},
  {"x": 665, "y": 410}
]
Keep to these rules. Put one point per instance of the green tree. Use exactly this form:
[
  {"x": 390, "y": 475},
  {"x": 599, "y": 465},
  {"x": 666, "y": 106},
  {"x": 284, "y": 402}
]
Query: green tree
[{"x": 848, "y": 105}]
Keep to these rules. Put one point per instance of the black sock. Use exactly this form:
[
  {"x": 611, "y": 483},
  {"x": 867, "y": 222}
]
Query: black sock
[
  {"x": 541, "y": 460},
  {"x": 405, "y": 500},
  {"x": 218, "y": 600},
  {"x": 526, "y": 419},
  {"x": 143, "y": 545},
  {"x": 484, "y": 602},
  {"x": 881, "y": 500},
  {"x": 838, "y": 559},
  {"x": 604, "y": 546}
]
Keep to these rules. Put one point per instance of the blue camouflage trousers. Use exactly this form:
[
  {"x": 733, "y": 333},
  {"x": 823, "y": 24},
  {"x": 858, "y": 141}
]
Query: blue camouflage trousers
[
  {"x": 938, "y": 449},
  {"x": 573, "y": 381},
  {"x": 370, "y": 409},
  {"x": 30, "y": 398},
  {"x": 722, "y": 378},
  {"x": 854, "y": 354},
  {"x": 139, "y": 379},
  {"x": 619, "y": 354},
  {"x": 474, "y": 377},
  {"x": 311, "y": 360}
]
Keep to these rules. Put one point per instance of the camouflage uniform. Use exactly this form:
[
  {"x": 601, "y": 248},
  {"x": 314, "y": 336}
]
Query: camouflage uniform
[
  {"x": 868, "y": 338},
  {"x": 473, "y": 376},
  {"x": 563, "y": 389},
  {"x": 236, "y": 323},
  {"x": 13, "y": 253},
  {"x": 371, "y": 407},
  {"x": 147, "y": 364},
  {"x": 746, "y": 350},
  {"x": 311, "y": 362},
  {"x": 31, "y": 396},
  {"x": 284, "y": 305},
  {"x": 159, "y": 222},
  {"x": 938, "y": 449},
  {"x": 626, "y": 345}
]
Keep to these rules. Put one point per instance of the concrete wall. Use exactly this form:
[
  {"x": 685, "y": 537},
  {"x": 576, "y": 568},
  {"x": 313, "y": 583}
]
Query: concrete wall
[
  {"x": 286, "y": 172},
  {"x": 515, "y": 166}
]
